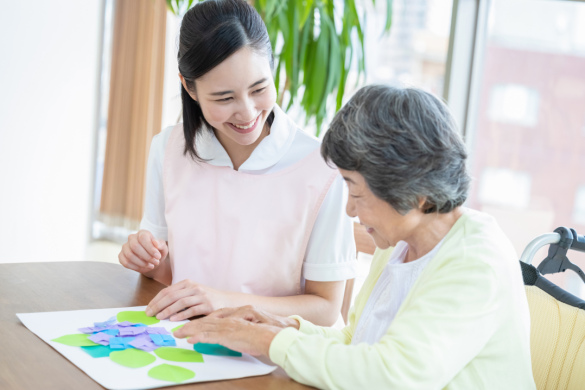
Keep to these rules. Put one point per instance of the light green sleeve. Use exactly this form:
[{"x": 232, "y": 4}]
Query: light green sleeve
[
  {"x": 447, "y": 319},
  {"x": 308, "y": 328}
]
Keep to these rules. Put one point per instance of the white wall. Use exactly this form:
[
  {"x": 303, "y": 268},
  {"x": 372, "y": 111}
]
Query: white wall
[{"x": 48, "y": 94}]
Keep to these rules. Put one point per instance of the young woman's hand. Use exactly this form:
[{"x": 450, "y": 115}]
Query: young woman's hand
[
  {"x": 231, "y": 332},
  {"x": 187, "y": 299},
  {"x": 142, "y": 252}
]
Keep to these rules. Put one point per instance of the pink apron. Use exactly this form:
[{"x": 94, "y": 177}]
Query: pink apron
[{"x": 240, "y": 232}]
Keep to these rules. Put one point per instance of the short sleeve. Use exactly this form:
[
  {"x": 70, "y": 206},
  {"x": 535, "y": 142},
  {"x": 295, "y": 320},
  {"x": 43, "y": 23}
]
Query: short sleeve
[
  {"x": 153, "y": 218},
  {"x": 331, "y": 253}
]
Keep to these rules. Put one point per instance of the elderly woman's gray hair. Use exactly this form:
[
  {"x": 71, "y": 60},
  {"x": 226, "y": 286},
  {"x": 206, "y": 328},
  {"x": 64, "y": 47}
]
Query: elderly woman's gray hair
[{"x": 405, "y": 144}]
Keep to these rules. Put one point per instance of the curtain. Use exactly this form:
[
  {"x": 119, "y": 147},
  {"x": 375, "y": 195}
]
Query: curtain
[{"x": 135, "y": 107}]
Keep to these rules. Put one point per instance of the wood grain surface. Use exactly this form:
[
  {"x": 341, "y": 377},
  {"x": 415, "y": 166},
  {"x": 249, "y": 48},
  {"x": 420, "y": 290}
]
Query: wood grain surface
[{"x": 27, "y": 362}]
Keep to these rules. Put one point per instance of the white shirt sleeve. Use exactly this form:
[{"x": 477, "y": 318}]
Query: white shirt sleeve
[
  {"x": 153, "y": 218},
  {"x": 331, "y": 253}
]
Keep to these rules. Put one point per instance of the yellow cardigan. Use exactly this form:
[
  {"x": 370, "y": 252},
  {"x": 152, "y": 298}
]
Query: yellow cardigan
[{"x": 464, "y": 325}]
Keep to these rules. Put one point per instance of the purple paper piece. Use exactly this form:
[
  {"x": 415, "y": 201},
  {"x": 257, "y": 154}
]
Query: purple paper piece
[
  {"x": 163, "y": 340},
  {"x": 104, "y": 324},
  {"x": 125, "y": 324},
  {"x": 101, "y": 338},
  {"x": 143, "y": 342},
  {"x": 131, "y": 331},
  {"x": 157, "y": 330}
]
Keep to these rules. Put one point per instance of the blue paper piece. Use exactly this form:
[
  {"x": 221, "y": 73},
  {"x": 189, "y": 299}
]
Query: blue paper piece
[
  {"x": 113, "y": 332},
  {"x": 163, "y": 340},
  {"x": 215, "y": 349},
  {"x": 120, "y": 343},
  {"x": 97, "y": 351},
  {"x": 140, "y": 324}
]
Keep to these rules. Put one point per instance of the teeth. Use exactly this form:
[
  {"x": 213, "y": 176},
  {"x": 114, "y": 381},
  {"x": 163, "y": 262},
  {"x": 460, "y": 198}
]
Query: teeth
[{"x": 245, "y": 127}]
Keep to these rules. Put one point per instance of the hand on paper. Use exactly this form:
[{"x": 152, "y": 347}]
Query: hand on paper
[
  {"x": 251, "y": 314},
  {"x": 186, "y": 299},
  {"x": 142, "y": 252},
  {"x": 234, "y": 331}
]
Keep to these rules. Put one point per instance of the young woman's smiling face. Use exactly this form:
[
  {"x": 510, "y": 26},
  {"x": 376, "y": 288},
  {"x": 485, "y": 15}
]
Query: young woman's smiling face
[{"x": 237, "y": 96}]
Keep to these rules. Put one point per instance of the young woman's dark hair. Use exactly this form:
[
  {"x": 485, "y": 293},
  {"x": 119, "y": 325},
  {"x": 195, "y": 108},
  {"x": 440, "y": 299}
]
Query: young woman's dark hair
[{"x": 212, "y": 31}]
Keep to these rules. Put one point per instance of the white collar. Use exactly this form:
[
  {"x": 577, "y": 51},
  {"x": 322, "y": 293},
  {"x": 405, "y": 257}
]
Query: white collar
[{"x": 268, "y": 152}]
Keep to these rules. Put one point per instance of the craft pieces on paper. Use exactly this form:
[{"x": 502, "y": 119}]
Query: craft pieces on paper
[
  {"x": 215, "y": 349},
  {"x": 178, "y": 355},
  {"x": 170, "y": 373},
  {"x": 75, "y": 340},
  {"x": 137, "y": 317},
  {"x": 110, "y": 373},
  {"x": 97, "y": 351},
  {"x": 144, "y": 343},
  {"x": 132, "y": 358},
  {"x": 163, "y": 340}
]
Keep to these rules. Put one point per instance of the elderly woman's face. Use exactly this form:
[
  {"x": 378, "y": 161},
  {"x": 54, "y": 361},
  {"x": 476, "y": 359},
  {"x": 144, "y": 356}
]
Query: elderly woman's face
[{"x": 386, "y": 225}]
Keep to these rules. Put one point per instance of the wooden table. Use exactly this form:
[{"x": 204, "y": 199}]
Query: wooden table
[{"x": 27, "y": 362}]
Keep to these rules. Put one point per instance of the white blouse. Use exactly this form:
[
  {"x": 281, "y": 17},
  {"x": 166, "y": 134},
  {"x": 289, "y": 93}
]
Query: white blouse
[
  {"x": 331, "y": 250},
  {"x": 390, "y": 290}
]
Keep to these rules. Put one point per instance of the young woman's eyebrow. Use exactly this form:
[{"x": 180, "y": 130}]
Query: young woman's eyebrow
[{"x": 228, "y": 92}]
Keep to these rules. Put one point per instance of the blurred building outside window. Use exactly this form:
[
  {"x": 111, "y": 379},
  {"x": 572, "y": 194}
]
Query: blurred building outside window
[{"x": 527, "y": 143}]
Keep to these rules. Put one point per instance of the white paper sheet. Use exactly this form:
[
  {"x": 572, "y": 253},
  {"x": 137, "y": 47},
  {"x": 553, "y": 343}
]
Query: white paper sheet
[{"x": 110, "y": 375}]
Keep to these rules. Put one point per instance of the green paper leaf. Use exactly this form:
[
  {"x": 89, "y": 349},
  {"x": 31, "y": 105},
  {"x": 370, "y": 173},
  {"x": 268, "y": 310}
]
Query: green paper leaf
[
  {"x": 75, "y": 340},
  {"x": 178, "y": 354},
  {"x": 136, "y": 317},
  {"x": 170, "y": 373},
  {"x": 133, "y": 358},
  {"x": 215, "y": 349},
  {"x": 177, "y": 328},
  {"x": 97, "y": 351}
]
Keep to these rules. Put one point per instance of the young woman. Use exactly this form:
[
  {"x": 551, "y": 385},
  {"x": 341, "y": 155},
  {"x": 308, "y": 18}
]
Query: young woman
[
  {"x": 444, "y": 305},
  {"x": 240, "y": 207}
]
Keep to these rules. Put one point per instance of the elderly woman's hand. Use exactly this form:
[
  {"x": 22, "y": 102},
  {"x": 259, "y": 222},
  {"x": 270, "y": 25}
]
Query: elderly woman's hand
[
  {"x": 250, "y": 313},
  {"x": 242, "y": 329}
]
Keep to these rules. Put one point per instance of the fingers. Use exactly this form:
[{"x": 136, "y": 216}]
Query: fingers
[
  {"x": 155, "y": 306},
  {"x": 133, "y": 262},
  {"x": 162, "y": 247},
  {"x": 232, "y": 333},
  {"x": 139, "y": 253},
  {"x": 193, "y": 311},
  {"x": 173, "y": 299},
  {"x": 146, "y": 247}
]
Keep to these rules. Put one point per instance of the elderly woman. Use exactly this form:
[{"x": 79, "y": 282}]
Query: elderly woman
[{"x": 443, "y": 305}]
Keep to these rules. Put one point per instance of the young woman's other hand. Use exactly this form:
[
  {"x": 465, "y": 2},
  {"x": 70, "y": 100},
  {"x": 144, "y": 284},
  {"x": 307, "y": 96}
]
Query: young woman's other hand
[{"x": 143, "y": 252}]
